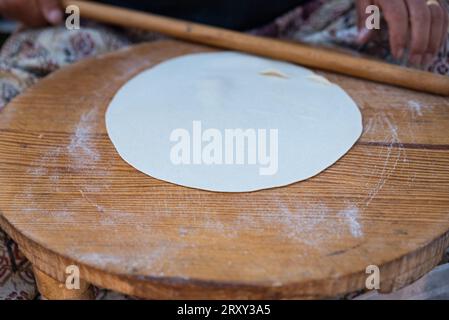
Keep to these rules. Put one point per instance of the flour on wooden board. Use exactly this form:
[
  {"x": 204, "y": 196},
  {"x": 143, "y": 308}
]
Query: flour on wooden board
[
  {"x": 309, "y": 223},
  {"x": 316, "y": 223},
  {"x": 82, "y": 155},
  {"x": 351, "y": 216},
  {"x": 393, "y": 152},
  {"x": 158, "y": 260},
  {"x": 80, "y": 151},
  {"x": 416, "y": 107}
]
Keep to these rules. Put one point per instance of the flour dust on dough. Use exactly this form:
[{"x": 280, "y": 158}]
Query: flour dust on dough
[{"x": 231, "y": 122}]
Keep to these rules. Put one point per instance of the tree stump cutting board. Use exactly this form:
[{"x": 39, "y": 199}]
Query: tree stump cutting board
[{"x": 68, "y": 198}]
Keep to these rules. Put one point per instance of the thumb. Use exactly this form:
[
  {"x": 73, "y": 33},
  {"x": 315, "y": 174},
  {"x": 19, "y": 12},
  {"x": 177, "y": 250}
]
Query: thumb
[{"x": 51, "y": 10}]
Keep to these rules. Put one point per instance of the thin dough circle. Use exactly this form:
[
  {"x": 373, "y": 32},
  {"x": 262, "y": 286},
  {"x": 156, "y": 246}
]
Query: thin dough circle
[{"x": 316, "y": 123}]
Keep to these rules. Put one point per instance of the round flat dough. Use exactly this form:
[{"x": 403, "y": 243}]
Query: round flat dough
[{"x": 179, "y": 121}]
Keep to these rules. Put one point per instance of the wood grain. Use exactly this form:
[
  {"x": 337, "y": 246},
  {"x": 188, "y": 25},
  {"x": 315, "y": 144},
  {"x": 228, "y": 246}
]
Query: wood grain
[
  {"x": 51, "y": 289},
  {"x": 68, "y": 198}
]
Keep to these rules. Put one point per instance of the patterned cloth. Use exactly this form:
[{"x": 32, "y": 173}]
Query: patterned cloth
[
  {"x": 30, "y": 55},
  {"x": 16, "y": 277}
]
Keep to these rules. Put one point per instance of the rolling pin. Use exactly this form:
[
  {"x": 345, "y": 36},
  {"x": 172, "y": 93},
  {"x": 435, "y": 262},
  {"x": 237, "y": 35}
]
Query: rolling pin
[{"x": 292, "y": 52}]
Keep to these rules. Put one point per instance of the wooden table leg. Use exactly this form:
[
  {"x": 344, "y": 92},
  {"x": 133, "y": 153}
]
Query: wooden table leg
[{"x": 52, "y": 289}]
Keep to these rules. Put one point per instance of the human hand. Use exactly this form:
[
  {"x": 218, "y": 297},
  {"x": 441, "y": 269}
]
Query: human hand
[
  {"x": 419, "y": 25},
  {"x": 32, "y": 13}
]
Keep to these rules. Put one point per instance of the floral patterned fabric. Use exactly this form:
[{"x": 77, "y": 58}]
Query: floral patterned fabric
[
  {"x": 16, "y": 276},
  {"x": 32, "y": 54}
]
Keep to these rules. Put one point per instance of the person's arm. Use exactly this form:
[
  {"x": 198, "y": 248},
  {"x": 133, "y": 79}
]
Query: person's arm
[
  {"x": 419, "y": 25},
  {"x": 33, "y": 13}
]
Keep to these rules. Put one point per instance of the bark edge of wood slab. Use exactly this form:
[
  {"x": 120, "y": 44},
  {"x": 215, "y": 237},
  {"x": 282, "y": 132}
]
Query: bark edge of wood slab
[{"x": 67, "y": 198}]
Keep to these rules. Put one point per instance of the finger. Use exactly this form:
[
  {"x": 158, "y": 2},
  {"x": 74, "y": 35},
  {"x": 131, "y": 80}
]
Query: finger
[
  {"x": 420, "y": 30},
  {"x": 361, "y": 6},
  {"x": 24, "y": 11},
  {"x": 435, "y": 34},
  {"x": 31, "y": 14},
  {"x": 51, "y": 10},
  {"x": 10, "y": 9},
  {"x": 2, "y": 7},
  {"x": 396, "y": 15}
]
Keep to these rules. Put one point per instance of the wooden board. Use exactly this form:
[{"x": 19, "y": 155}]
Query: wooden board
[{"x": 68, "y": 198}]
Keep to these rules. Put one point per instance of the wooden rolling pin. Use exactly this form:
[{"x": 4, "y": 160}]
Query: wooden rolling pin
[{"x": 271, "y": 48}]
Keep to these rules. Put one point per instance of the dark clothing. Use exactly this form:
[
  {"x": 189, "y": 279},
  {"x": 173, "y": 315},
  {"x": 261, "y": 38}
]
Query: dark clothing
[{"x": 231, "y": 14}]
